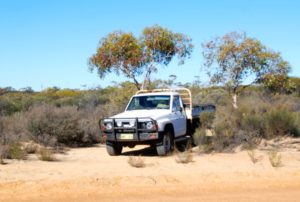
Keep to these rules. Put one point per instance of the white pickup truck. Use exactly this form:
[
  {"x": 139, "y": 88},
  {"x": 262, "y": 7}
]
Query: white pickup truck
[{"x": 156, "y": 117}]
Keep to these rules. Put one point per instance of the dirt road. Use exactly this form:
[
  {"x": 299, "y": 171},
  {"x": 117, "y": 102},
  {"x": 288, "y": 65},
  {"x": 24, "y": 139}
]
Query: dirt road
[{"x": 89, "y": 174}]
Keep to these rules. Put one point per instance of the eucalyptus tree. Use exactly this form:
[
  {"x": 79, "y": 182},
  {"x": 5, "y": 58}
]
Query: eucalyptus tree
[
  {"x": 235, "y": 58},
  {"x": 121, "y": 52}
]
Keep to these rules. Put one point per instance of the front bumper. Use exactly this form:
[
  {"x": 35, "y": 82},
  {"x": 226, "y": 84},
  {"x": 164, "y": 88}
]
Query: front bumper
[{"x": 125, "y": 133}]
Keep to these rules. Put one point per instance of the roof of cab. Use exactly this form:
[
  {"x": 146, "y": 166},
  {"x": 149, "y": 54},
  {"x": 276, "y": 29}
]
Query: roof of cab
[{"x": 156, "y": 93}]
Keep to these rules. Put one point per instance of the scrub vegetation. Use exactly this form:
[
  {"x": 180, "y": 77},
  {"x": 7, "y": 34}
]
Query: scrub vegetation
[
  {"x": 71, "y": 119},
  {"x": 267, "y": 108}
]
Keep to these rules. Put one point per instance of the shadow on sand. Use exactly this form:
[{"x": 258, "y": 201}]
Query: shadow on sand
[{"x": 148, "y": 151}]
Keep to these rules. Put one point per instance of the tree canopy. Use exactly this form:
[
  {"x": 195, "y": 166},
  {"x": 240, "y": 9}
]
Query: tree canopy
[
  {"x": 233, "y": 58},
  {"x": 121, "y": 52}
]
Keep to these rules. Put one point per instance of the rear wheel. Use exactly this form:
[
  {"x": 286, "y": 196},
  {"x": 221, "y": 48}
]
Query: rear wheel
[
  {"x": 166, "y": 144},
  {"x": 113, "y": 148}
]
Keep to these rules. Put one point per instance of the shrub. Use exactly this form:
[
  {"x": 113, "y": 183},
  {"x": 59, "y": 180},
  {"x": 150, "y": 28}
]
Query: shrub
[
  {"x": 262, "y": 116},
  {"x": 31, "y": 148},
  {"x": 62, "y": 124},
  {"x": 207, "y": 119},
  {"x": 15, "y": 151},
  {"x": 3, "y": 153},
  {"x": 45, "y": 154},
  {"x": 275, "y": 158},
  {"x": 1, "y": 160},
  {"x": 14, "y": 129},
  {"x": 254, "y": 158},
  {"x": 137, "y": 162},
  {"x": 185, "y": 156},
  {"x": 282, "y": 122}
]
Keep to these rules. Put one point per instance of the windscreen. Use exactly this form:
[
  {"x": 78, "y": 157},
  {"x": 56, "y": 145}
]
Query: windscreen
[{"x": 149, "y": 102}]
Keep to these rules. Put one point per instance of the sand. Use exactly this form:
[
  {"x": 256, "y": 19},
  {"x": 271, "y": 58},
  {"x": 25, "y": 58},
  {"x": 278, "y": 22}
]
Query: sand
[{"x": 90, "y": 174}]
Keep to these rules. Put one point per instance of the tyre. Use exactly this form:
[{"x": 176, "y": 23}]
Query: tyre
[
  {"x": 113, "y": 149},
  {"x": 166, "y": 144}
]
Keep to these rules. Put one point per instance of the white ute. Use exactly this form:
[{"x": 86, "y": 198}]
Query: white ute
[{"x": 156, "y": 117}]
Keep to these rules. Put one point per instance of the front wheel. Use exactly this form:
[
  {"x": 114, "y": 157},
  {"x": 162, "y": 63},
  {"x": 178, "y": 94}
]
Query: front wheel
[
  {"x": 165, "y": 146},
  {"x": 113, "y": 149}
]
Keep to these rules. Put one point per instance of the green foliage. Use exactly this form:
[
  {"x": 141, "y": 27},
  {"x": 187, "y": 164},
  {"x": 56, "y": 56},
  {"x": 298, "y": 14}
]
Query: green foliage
[
  {"x": 279, "y": 83},
  {"x": 121, "y": 52},
  {"x": 235, "y": 57},
  {"x": 118, "y": 52},
  {"x": 296, "y": 83}
]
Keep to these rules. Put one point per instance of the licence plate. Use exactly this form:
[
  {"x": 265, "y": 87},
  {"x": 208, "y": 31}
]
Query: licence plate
[{"x": 126, "y": 136}]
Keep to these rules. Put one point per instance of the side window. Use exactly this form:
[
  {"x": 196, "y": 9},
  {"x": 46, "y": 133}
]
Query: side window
[{"x": 176, "y": 104}]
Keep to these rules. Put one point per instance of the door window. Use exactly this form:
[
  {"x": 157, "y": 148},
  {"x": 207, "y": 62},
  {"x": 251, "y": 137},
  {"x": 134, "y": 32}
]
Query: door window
[{"x": 176, "y": 104}]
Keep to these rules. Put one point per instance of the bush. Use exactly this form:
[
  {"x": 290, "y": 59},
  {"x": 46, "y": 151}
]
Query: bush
[
  {"x": 282, "y": 122},
  {"x": 15, "y": 151},
  {"x": 50, "y": 124},
  {"x": 3, "y": 153},
  {"x": 45, "y": 154},
  {"x": 262, "y": 116},
  {"x": 185, "y": 156},
  {"x": 275, "y": 158},
  {"x": 137, "y": 162},
  {"x": 31, "y": 148},
  {"x": 253, "y": 156},
  {"x": 207, "y": 119}
]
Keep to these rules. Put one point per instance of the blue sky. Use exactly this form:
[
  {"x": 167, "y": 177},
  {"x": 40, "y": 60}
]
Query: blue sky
[{"x": 48, "y": 43}]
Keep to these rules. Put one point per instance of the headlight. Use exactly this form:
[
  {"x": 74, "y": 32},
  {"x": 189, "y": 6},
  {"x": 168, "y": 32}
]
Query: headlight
[
  {"x": 108, "y": 126},
  {"x": 132, "y": 123},
  {"x": 149, "y": 125},
  {"x": 119, "y": 123}
]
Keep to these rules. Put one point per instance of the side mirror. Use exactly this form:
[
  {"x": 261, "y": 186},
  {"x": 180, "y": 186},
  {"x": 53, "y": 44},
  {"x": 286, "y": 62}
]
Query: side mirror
[{"x": 181, "y": 109}]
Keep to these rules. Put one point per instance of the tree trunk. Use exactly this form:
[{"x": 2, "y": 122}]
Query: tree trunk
[
  {"x": 234, "y": 100},
  {"x": 129, "y": 75},
  {"x": 147, "y": 80},
  {"x": 137, "y": 84}
]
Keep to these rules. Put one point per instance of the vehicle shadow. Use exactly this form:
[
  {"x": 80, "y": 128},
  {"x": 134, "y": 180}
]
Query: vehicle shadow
[{"x": 148, "y": 151}]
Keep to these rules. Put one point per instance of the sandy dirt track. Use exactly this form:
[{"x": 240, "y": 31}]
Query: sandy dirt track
[{"x": 89, "y": 174}]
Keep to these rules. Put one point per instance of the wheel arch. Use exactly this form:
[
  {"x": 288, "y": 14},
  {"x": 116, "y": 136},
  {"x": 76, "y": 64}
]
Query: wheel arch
[{"x": 169, "y": 127}]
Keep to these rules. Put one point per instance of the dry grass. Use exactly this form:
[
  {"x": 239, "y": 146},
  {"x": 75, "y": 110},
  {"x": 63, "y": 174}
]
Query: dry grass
[
  {"x": 31, "y": 148},
  {"x": 15, "y": 151},
  {"x": 45, "y": 154},
  {"x": 184, "y": 157},
  {"x": 2, "y": 154},
  {"x": 253, "y": 156},
  {"x": 137, "y": 162},
  {"x": 275, "y": 158},
  {"x": 1, "y": 160}
]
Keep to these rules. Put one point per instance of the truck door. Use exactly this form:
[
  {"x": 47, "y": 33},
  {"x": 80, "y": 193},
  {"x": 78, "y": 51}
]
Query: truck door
[{"x": 179, "y": 116}]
